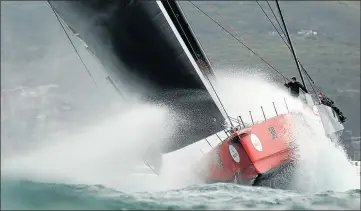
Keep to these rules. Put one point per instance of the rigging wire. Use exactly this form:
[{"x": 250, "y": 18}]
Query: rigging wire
[
  {"x": 308, "y": 77},
  {"x": 312, "y": 83},
  {"x": 274, "y": 15},
  {"x": 71, "y": 42},
  {"x": 290, "y": 42},
  {"x": 234, "y": 30},
  {"x": 274, "y": 25},
  {"x": 298, "y": 63},
  {"x": 239, "y": 40}
]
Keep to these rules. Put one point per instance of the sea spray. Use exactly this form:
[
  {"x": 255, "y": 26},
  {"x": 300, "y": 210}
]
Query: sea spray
[
  {"x": 106, "y": 153},
  {"x": 323, "y": 164},
  {"x": 242, "y": 94}
]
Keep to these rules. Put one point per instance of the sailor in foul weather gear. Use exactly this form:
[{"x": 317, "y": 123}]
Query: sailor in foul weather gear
[
  {"x": 325, "y": 100},
  {"x": 295, "y": 87},
  {"x": 328, "y": 102}
]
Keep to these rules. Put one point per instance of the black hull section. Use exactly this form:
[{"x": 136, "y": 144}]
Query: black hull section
[
  {"x": 278, "y": 178},
  {"x": 136, "y": 45}
]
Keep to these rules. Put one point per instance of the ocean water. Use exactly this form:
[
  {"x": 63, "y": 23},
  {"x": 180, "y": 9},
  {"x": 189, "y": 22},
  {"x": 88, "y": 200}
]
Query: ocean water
[
  {"x": 101, "y": 167},
  {"x": 96, "y": 167},
  {"x": 36, "y": 196}
]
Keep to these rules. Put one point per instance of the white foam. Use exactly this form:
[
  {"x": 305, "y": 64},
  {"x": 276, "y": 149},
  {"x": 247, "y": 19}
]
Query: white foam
[
  {"x": 243, "y": 93},
  {"x": 108, "y": 153},
  {"x": 324, "y": 165}
]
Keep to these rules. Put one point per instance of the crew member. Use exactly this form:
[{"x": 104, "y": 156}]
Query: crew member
[
  {"x": 328, "y": 102},
  {"x": 325, "y": 100},
  {"x": 295, "y": 86},
  {"x": 235, "y": 138}
]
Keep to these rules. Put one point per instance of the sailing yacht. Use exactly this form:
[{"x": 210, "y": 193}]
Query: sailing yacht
[{"x": 153, "y": 41}]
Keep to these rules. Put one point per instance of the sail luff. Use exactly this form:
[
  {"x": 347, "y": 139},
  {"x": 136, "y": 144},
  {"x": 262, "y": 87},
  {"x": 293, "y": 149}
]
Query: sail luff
[
  {"x": 193, "y": 62},
  {"x": 209, "y": 64}
]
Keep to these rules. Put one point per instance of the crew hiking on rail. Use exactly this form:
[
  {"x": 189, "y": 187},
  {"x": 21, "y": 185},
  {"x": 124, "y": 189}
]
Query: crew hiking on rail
[
  {"x": 295, "y": 87},
  {"x": 328, "y": 102}
]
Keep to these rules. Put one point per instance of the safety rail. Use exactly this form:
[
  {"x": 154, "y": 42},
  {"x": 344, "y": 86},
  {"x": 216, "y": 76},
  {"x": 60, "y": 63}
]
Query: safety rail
[
  {"x": 242, "y": 124},
  {"x": 273, "y": 110}
]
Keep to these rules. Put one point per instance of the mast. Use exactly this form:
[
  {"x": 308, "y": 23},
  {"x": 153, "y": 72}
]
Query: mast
[
  {"x": 290, "y": 42},
  {"x": 189, "y": 43},
  {"x": 202, "y": 56}
]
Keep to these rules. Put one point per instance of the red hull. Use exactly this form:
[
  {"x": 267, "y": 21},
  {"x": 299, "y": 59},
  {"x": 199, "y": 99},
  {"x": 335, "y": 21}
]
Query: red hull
[{"x": 259, "y": 149}]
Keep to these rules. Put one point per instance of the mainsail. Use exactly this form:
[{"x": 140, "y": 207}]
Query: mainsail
[{"x": 151, "y": 42}]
